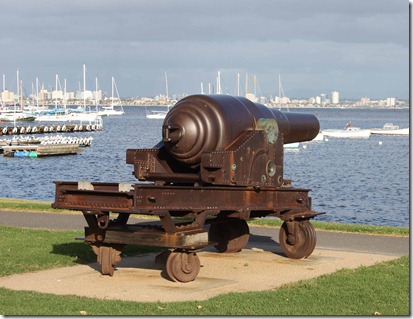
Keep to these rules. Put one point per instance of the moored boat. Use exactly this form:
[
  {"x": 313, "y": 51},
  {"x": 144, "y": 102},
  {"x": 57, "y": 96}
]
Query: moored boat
[
  {"x": 349, "y": 132},
  {"x": 390, "y": 129}
]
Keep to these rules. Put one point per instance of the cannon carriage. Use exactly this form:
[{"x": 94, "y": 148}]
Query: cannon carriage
[{"x": 219, "y": 163}]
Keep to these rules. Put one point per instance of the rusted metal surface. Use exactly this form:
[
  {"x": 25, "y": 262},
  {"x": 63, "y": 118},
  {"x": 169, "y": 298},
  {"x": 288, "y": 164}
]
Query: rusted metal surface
[{"x": 220, "y": 162}]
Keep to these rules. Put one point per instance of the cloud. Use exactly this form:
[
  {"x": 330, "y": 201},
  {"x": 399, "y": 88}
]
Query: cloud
[{"x": 138, "y": 40}]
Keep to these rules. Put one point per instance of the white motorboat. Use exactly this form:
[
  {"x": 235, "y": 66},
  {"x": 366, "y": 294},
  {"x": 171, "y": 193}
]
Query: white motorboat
[
  {"x": 153, "y": 114},
  {"x": 319, "y": 137},
  {"x": 349, "y": 132},
  {"x": 292, "y": 146},
  {"x": 390, "y": 129}
]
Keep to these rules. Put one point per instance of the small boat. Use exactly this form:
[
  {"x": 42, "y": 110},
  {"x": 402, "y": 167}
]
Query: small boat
[
  {"x": 349, "y": 132},
  {"x": 294, "y": 146},
  {"x": 390, "y": 129},
  {"x": 319, "y": 137},
  {"x": 110, "y": 110},
  {"x": 16, "y": 117},
  {"x": 153, "y": 114}
]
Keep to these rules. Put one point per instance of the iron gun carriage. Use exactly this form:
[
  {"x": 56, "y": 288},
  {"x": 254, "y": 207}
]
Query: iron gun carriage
[{"x": 219, "y": 163}]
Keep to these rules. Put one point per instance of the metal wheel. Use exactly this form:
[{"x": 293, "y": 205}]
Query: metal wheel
[
  {"x": 183, "y": 266},
  {"x": 107, "y": 260},
  {"x": 302, "y": 244},
  {"x": 231, "y": 236}
]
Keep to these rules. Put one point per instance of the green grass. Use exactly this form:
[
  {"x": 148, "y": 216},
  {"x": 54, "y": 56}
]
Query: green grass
[
  {"x": 24, "y": 205},
  {"x": 24, "y": 250},
  {"x": 383, "y": 288},
  {"x": 350, "y": 228},
  {"x": 21, "y": 205},
  {"x": 380, "y": 289}
]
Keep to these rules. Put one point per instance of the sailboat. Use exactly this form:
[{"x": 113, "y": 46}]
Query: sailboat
[
  {"x": 16, "y": 115},
  {"x": 71, "y": 115},
  {"x": 282, "y": 99},
  {"x": 110, "y": 110},
  {"x": 155, "y": 114}
]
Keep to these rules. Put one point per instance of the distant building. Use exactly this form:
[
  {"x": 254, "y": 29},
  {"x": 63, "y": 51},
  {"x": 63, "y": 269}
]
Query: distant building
[
  {"x": 335, "y": 97},
  {"x": 7, "y": 96},
  {"x": 391, "y": 101},
  {"x": 87, "y": 95},
  {"x": 57, "y": 95},
  {"x": 251, "y": 97},
  {"x": 323, "y": 99}
]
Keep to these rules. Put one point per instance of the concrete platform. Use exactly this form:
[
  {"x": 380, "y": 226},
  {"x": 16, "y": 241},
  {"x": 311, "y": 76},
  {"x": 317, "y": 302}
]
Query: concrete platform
[{"x": 259, "y": 267}]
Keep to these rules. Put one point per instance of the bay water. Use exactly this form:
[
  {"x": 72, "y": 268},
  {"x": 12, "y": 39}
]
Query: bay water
[{"x": 358, "y": 181}]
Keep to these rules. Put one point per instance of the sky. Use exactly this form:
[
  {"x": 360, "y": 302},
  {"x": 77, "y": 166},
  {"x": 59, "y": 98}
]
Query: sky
[{"x": 359, "y": 48}]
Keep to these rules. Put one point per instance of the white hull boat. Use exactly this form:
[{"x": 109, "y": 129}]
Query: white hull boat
[
  {"x": 350, "y": 132},
  {"x": 292, "y": 146},
  {"x": 319, "y": 137},
  {"x": 156, "y": 114},
  {"x": 108, "y": 111},
  {"x": 71, "y": 117},
  {"x": 390, "y": 129},
  {"x": 111, "y": 110}
]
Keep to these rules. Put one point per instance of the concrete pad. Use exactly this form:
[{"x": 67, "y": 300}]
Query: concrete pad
[{"x": 141, "y": 279}]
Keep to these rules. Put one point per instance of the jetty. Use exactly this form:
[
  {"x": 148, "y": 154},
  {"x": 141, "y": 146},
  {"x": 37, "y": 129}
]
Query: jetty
[
  {"x": 42, "y": 129},
  {"x": 46, "y": 146}
]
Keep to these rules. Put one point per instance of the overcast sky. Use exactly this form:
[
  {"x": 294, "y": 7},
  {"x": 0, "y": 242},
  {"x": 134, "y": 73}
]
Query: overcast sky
[{"x": 357, "y": 47}]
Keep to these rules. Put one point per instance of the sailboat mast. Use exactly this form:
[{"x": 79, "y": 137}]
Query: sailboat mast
[
  {"x": 255, "y": 86},
  {"x": 279, "y": 85},
  {"x": 96, "y": 93},
  {"x": 64, "y": 96},
  {"x": 37, "y": 92},
  {"x": 18, "y": 83},
  {"x": 42, "y": 95},
  {"x": 56, "y": 94},
  {"x": 166, "y": 87},
  {"x": 113, "y": 84},
  {"x": 22, "y": 100},
  {"x": 84, "y": 87}
]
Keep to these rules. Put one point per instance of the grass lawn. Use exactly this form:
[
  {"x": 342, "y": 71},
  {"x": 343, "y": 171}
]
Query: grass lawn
[{"x": 381, "y": 289}]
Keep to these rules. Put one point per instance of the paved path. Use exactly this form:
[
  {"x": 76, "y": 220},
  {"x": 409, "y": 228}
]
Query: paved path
[
  {"x": 260, "y": 266},
  {"x": 387, "y": 245}
]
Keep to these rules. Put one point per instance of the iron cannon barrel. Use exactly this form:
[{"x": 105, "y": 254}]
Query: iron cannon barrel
[
  {"x": 205, "y": 123},
  {"x": 301, "y": 127}
]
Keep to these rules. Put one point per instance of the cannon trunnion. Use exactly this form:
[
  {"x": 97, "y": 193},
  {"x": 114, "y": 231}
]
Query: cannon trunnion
[{"x": 220, "y": 163}]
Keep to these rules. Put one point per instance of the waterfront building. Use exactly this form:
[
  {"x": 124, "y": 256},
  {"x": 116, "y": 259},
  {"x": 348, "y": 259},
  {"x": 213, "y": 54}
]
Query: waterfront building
[
  {"x": 391, "y": 101},
  {"x": 57, "y": 95},
  {"x": 7, "y": 96},
  {"x": 323, "y": 99},
  {"x": 335, "y": 97}
]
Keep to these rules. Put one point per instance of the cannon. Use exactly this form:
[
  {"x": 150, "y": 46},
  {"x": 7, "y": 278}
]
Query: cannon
[{"x": 219, "y": 164}]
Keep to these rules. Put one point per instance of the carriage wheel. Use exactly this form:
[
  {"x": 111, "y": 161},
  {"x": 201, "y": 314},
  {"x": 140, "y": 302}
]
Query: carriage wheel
[
  {"x": 183, "y": 266},
  {"x": 302, "y": 244},
  {"x": 231, "y": 236}
]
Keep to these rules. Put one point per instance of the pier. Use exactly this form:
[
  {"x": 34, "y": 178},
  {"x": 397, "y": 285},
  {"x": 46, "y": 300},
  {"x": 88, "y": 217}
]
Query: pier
[
  {"x": 43, "y": 129},
  {"x": 46, "y": 146}
]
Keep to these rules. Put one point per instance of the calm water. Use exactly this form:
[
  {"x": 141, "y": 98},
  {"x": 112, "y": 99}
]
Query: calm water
[{"x": 354, "y": 180}]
